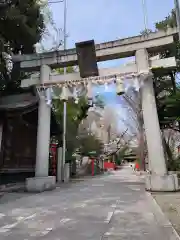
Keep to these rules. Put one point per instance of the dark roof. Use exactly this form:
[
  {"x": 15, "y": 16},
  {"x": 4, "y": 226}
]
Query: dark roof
[
  {"x": 26, "y": 101},
  {"x": 19, "y": 101}
]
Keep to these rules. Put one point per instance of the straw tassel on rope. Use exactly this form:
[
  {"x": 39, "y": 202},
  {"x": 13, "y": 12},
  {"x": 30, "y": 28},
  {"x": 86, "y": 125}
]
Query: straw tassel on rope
[{"x": 119, "y": 86}]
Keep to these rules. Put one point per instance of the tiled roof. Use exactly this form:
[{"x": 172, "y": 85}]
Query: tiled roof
[{"x": 17, "y": 101}]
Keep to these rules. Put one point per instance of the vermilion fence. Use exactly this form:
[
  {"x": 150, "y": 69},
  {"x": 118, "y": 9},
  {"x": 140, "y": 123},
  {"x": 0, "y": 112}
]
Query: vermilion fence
[{"x": 109, "y": 165}]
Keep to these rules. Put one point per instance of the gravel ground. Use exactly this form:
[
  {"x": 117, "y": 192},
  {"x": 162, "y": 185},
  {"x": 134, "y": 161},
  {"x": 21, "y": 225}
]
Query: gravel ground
[{"x": 170, "y": 205}]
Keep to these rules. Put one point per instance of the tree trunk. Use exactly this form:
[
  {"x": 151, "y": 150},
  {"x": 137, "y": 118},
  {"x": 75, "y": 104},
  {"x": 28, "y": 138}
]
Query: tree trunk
[
  {"x": 167, "y": 151},
  {"x": 141, "y": 140},
  {"x": 141, "y": 148}
]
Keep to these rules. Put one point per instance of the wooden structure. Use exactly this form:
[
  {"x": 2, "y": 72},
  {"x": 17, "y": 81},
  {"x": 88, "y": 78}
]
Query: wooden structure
[{"x": 18, "y": 133}]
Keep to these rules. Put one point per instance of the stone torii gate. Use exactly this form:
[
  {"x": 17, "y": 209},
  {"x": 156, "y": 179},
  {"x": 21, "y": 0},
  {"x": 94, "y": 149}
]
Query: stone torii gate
[{"x": 139, "y": 46}]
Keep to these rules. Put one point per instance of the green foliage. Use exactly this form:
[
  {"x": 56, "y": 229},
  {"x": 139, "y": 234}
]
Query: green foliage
[
  {"x": 75, "y": 114},
  {"x": 168, "y": 102},
  {"x": 163, "y": 92},
  {"x": 166, "y": 90},
  {"x": 88, "y": 144},
  {"x": 167, "y": 94},
  {"x": 169, "y": 21},
  {"x": 122, "y": 152},
  {"x": 82, "y": 114},
  {"x": 82, "y": 107},
  {"x": 174, "y": 164},
  {"x": 118, "y": 160},
  {"x": 69, "y": 69},
  {"x": 21, "y": 26}
]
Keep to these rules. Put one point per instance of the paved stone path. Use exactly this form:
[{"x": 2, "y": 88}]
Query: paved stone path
[{"x": 111, "y": 207}]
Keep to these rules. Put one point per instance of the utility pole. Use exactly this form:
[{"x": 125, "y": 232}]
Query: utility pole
[
  {"x": 65, "y": 104},
  {"x": 176, "y": 3},
  {"x": 177, "y": 9},
  {"x": 109, "y": 133},
  {"x": 145, "y": 15}
]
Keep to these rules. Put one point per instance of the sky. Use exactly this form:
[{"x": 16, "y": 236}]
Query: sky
[{"x": 105, "y": 20}]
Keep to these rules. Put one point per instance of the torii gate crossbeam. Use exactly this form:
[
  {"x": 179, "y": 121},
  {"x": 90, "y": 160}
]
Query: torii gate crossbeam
[{"x": 153, "y": 42}]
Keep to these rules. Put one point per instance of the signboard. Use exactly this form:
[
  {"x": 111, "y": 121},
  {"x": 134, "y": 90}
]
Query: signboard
[{"x": 87, "y": 59}]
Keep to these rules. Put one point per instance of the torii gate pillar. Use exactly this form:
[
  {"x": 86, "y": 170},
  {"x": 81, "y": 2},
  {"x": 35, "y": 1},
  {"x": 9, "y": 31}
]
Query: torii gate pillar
[
  {"x": 159, "y": 179},
  {"x": 42, "y": 181}
]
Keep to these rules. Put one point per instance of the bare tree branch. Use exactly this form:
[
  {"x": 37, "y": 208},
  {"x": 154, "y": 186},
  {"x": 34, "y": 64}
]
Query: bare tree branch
[{"x": 134, "y": 121}]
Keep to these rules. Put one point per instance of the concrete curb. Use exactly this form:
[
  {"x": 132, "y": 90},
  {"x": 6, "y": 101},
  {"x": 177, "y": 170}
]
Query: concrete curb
[
  {"x": 10, "y": 187},
  {"x": 161, "y": 216}
]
